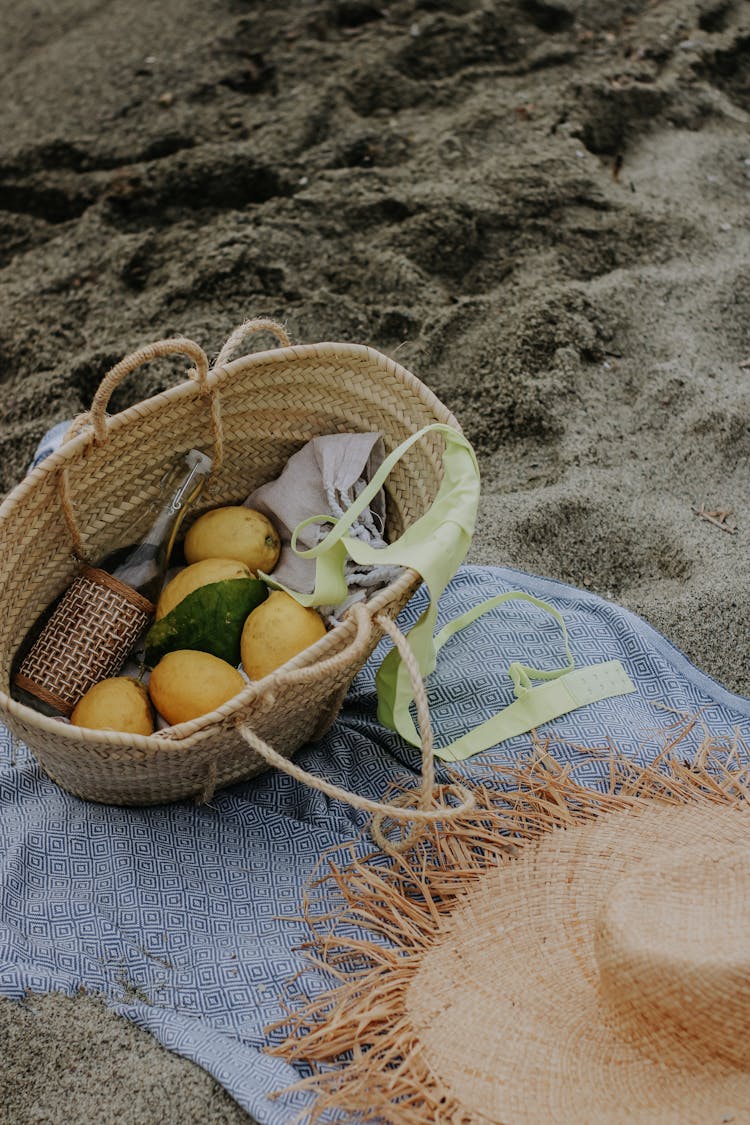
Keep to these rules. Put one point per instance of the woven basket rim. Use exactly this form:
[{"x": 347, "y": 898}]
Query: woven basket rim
[
  {"x": 217, "y": 377},
  {"x": 184, "y": 735}
]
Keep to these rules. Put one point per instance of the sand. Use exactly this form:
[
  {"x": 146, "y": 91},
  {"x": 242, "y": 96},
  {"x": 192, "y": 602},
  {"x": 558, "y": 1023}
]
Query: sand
[{"x": 539, "y": 206}]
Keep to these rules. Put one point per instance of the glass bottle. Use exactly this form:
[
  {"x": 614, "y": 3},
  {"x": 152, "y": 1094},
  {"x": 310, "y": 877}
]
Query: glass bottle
[{"x": 87, "y": 635}]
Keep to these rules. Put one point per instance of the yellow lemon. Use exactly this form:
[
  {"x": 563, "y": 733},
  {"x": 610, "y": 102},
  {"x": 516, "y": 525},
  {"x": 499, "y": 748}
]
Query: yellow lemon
[
  {"x": 193, "y": 577},
  {"x": 275, "y": 632},
  {"x": 187, "y": 683},
  {"x": 234, "y": 533},
  {"x": 120, "y": 703}
]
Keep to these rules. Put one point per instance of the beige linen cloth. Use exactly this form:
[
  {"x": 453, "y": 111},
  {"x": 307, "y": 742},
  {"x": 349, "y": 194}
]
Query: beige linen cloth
[{"x": 324, "y": 478}]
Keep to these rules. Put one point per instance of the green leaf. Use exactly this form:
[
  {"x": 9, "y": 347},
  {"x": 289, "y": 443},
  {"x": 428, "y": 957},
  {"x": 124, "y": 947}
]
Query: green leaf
[{"x": 210, "y": 619}]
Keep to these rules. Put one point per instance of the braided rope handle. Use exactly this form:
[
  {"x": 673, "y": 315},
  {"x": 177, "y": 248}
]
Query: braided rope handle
[
  {"x": 97, "y": 415},
  {"x": 176, "y": 346},
  {"x": 425, "y": 810},
  {"x": 249, "y": 328}
]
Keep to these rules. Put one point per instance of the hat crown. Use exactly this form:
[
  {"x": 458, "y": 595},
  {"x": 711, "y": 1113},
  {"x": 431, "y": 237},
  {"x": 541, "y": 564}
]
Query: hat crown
[{"x": 672, "y": 945}]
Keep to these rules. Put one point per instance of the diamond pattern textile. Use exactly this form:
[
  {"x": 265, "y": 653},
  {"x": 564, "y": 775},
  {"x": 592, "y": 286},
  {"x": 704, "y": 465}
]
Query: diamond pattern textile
[{"x": 183, "y": 917}]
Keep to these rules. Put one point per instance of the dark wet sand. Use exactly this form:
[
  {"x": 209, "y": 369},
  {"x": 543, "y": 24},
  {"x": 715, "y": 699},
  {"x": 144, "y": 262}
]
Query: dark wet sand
[{"x": 540, "y": 207}]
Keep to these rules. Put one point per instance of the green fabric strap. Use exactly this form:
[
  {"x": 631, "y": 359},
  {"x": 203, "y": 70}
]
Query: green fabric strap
[
  {"x": 435, "y": 546},
  {"x": 540, "y": 705},
  {"x": 564, "y": 689}
]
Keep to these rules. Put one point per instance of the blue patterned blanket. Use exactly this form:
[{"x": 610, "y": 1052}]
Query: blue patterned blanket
[{"x": 183, "y": 917}]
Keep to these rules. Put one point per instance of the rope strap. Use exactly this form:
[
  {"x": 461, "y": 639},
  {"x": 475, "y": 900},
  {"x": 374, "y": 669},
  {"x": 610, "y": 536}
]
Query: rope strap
[{"x": 421, "y": 801}]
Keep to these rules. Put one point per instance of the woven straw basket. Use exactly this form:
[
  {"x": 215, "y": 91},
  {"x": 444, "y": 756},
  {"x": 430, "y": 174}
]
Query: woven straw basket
[{"x": 250, "y": 415}]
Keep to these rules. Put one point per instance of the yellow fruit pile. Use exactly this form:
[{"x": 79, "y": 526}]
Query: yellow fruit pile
[{"x": 227, "y": 543}]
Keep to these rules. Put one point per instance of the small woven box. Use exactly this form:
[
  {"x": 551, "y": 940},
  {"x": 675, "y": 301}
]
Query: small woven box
[
  {"x": 88, "y": 637},
  {"x": 250, "y": 415}
]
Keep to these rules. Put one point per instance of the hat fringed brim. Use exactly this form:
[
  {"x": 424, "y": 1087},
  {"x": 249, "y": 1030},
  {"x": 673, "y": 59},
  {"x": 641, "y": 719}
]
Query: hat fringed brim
[{"x": 361, "y": 1038}]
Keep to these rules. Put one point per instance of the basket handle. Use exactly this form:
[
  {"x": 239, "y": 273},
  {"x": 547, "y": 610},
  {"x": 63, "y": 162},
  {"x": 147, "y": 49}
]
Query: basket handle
[
  {"x": 249, "y": 328},
  {"x": 425, "y": 811},
  {"x": 97, "y": 415},
  {"x": 176, "y": 346}
]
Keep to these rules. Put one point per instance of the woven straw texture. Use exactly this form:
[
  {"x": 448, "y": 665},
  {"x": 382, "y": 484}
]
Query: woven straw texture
[
  {"x": 608, "y": 970},
  {"x": 251, "y": 415},
  {"x": 561, "y": 954},
  {"x": 96, "y": 625}
]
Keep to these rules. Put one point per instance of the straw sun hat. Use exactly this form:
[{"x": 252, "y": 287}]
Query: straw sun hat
[{"x": 599, "y": 973}]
